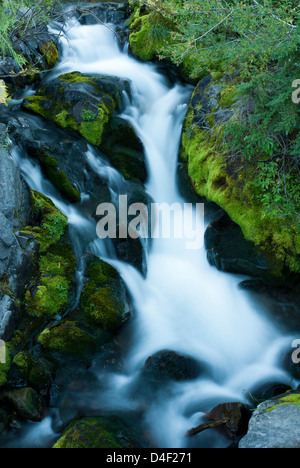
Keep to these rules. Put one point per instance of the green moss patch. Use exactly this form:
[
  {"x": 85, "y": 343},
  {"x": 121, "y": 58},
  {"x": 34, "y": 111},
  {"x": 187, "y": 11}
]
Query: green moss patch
[
  {"x": 67, "y": 338},
  {"x": 147, "y": 34},
  {"x": 103, "y": 298},
  {"x": 53, "y": 224},
  {"x": 291, "y": 399},
  {"x": 96, "y": 433},
  {"x": 236, "y": 192},
  {"x": 50, "y": 166},
  {"x": 50, "y": 52}
]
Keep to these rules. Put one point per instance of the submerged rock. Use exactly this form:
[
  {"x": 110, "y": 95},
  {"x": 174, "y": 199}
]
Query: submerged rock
[
  {"x": 68, "y": 339},
  {"x": 172, "y": 365}
]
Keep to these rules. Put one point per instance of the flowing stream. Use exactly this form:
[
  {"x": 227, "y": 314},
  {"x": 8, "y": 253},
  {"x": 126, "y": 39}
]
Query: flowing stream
[{"x": 182, "y": 304}]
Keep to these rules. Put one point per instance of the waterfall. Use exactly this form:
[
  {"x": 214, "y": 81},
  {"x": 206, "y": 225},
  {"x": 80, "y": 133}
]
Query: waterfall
[{"x": 182, "y": 304}]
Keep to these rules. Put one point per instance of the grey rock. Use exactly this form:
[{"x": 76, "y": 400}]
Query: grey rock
[
  {"x": 15, "y": 263},
  {"x": 275, "y": 428},
  {"x": 223, "y": 115},
  {"x": 9, "y": 314},
  {"x": 14, "y": 194},
  {"x": 214, "y": 91}
]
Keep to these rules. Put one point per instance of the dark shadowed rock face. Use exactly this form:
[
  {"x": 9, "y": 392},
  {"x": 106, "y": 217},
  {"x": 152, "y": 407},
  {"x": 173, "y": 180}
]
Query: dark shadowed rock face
[
  {"x": 27, "y": 402},
  {"x": 229, "y": 251},
  {"x": 282, "y": 302}
]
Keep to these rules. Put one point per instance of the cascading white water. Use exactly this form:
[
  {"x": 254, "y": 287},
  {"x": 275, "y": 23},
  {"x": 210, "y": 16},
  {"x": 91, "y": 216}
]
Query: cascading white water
[{"x": 182, "y": 304}]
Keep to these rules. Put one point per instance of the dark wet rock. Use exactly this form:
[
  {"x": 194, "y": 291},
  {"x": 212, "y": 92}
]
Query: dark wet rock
[
  {"x": 128, "y": 248},
  {"x": 41, "y": 52},
  {"x": 9, "y": 66},
  {"x": 124, "y": 149},
  {"x": 62, "y": 157},
  {"x": 39, "y": 49},
  {"x": 282, "y": 301},
  {"x": 76, "y": 388},
  {"x": 172, "y": 365},
  {"x": 131, "y": 251},
  {"x": 266, "y": 391},
  {"x": 102, "y": 13},
  {"x": 228, "y": 250},
  {"x": 34, "y": 369},
  {"x": 27, "y": 402},
  {"x": 229, "y": 419}
]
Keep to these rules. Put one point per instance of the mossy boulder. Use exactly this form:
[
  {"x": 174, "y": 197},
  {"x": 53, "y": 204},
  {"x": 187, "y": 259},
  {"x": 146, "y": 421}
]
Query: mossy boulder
[
  {"x": 27, "y": 402},
  {"x": 50, "y": 292},
  {"x": 229, "y": 251},
  {"x": 104, "y": 297},
  {"x": 37, "y": 372},
  {"x": 98, "y": 432},
  {"x": 81, "y": 103},
  {"x": 86, "y": 105},
  {"x": 215, "y": 177},
  {"x": 50, "y": 224},
  {"x": 171, "y": 365},
  {"x": 62, "y": 158},
  {"x": 68, "y": 339},
  {"x": 23, "y": 362},
  {"x": 50, "y": 53}
]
